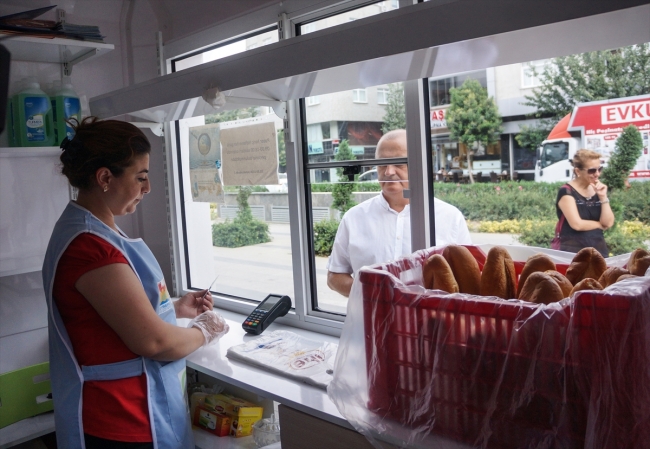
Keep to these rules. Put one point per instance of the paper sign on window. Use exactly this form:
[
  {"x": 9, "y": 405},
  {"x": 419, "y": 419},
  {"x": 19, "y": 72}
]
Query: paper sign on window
[
  {"x": 250, "y": 155},
  {"x": 205, "y": 162}
]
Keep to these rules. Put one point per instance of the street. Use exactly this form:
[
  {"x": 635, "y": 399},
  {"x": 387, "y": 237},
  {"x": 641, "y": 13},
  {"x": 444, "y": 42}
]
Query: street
[{"x": 257, "y": 270}]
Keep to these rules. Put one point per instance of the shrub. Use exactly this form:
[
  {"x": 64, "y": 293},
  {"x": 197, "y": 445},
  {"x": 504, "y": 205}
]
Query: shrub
[
  {"x": 627, "y": 150},
  {"x": 538, "y": 233},
  {"x": 324, "y": 234},
  {"x": 244, "y": 230}
]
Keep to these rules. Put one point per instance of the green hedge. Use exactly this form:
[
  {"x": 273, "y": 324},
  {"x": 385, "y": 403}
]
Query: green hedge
[{"x": 532, "y": 200}]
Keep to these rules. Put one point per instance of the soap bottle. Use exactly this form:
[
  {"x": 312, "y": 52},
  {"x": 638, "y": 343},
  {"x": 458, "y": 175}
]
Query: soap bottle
[
  {"x": 66, "y": 105},
  {"x": 32, "y": 112}
]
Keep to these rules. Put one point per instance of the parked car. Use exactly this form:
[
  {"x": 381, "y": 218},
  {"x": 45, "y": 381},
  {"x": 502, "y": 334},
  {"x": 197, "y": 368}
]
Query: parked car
[{"x": 370, "y": 175}]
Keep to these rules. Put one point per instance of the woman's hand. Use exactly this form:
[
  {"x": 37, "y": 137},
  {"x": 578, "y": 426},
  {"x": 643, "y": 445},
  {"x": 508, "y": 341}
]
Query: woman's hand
[
  {"x": 193, "y": 304},
  {"x": 601, "y": 190}
]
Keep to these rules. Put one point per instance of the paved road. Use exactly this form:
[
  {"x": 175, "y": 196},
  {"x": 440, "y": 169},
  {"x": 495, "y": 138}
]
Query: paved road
[{"x": 256, "y": 270}]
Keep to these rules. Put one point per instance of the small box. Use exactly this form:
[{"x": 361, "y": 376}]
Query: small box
[
  {"x": 216, "y": 423},
  {"x": 243, "y": 414}
]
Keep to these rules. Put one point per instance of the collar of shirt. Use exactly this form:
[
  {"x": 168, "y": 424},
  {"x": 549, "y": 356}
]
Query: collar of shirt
[{"x": 386, "y": 206}]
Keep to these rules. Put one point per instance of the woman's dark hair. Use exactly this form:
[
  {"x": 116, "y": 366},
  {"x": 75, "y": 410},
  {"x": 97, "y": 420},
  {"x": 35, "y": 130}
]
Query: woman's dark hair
[{"x": 100, "y": 143}]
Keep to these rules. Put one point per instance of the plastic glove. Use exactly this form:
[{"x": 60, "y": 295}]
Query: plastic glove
[{"x": 211, "y": 324}]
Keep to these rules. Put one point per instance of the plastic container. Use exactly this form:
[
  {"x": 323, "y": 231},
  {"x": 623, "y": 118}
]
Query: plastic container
[
  {"x": 266, "y": 431},
  {"x": 506, "y": 373},
  {"x": 33, "y": 123},
  {"x": 65, "y": 105},
  {"x": 9, "y": 125}
]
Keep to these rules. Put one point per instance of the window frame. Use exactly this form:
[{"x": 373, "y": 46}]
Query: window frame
[
  {"x": 357, "y": 95},
  {"x": 302, "y": 316}
]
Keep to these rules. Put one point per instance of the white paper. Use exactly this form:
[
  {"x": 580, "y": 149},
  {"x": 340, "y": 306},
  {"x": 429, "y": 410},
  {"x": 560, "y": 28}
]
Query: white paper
[{"x": 291, "y": 355}]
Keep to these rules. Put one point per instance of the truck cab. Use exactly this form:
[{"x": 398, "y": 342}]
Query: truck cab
[{"x": 554, "y": 161}]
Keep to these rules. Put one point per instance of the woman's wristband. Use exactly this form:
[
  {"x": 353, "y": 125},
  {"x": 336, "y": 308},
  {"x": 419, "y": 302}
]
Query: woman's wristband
[{"x": 606, "y": 200}]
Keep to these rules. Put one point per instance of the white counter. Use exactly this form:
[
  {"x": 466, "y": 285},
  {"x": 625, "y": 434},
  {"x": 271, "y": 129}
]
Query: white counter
[{"x": 305, "y": 398}]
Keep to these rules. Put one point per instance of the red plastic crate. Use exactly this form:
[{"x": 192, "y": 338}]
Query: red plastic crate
[{"x": 495, "y": 373}]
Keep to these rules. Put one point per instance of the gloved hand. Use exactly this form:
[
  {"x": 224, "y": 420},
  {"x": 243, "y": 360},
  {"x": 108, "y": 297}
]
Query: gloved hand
[{"x": 211, "y": 324}]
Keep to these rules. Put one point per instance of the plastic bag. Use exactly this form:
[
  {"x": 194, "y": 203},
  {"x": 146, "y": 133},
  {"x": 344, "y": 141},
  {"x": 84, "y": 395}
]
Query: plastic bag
[{"x": 424, "y": 368}]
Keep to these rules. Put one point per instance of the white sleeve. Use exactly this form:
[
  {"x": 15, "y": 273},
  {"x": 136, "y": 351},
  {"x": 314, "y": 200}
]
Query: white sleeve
[
  {"x": 462, "y": 231},
  {"x": 339, "y": 260}
]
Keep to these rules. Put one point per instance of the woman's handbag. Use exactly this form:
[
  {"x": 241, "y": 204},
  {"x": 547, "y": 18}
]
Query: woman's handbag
[{"x": 555, "y": 243}]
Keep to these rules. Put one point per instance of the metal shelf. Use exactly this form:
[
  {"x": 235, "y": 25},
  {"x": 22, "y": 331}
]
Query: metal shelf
[{"x": 67, "y": 52}]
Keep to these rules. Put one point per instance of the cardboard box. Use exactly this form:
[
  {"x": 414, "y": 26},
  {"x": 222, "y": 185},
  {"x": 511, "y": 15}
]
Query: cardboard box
[
  {"x": 242, "y": 413},
  {"x": 216, "y": 423}
]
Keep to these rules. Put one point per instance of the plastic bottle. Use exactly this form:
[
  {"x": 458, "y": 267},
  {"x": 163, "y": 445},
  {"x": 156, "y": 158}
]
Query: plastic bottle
[
  {"x": 65, "y": 104},
  {"x": 9, "y": 124},
  {"x": 32, "y": 116}
]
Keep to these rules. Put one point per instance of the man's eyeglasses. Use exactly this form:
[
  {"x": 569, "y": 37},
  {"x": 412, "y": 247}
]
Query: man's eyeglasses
[{"x": 592, "y": 171}]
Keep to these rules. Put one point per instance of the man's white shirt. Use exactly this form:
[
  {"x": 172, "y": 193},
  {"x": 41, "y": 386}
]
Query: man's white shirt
[{"x": 372, "y": 232}]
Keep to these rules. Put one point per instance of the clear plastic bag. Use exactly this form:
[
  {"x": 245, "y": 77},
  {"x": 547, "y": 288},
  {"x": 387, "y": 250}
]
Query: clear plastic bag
[{"x": 423, "y": 368}]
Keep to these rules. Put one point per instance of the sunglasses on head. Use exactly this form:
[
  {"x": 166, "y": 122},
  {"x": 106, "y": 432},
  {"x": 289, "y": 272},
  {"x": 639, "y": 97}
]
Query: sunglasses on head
[{"x": 592, "y": 171}]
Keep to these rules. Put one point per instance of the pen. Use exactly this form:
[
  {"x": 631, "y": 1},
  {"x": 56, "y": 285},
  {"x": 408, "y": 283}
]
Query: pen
[{"x": 210, "y": 287}]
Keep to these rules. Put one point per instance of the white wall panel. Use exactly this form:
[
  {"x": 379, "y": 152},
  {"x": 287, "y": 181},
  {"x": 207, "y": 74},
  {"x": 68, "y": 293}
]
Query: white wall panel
[{"x": 24, "y": 349}]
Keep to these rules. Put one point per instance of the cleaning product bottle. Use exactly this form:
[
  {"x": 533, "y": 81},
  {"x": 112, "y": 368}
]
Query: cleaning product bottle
[
  {"x": 32, "y": 112},
  {"x": 9, "y": 124},
  {"x": 66, "y": 105}
]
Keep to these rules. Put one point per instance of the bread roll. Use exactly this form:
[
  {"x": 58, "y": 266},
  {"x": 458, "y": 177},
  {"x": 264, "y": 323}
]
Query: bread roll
[
  {"x": 499, "y": 277},
  {"x": 541, "y": 288},
  {"x": 465, "y": 269},
  {"x": 639, "y": 262},
  {"x": 625, "y": 276},
  {"x": 437, "y": 275},
  {"x": 587, "y": 263},
  {"x": 562, "y": 281},
  {"x": 611, "y": 275},
  {"x": 538, "y": 262},
  {"x": 586, "y": 284}
]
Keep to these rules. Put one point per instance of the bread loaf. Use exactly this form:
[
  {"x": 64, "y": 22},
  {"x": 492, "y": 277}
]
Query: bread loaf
[
  {"x": 587, "y": 263},
  {"x": 437, "y": 275},
  {"x": 541, "y": 288},
  {"x": 586, "y": 284},
  {"x": 611, "y": 275},
  {"x": 639, "y": 262},
  {"x": 499, "y": 277},
  {"x": 625, "y": 276},
  {"x": 465, "y": 269},
  {"x": 538, "y": 262},
  {"x": 562, "y": 281}
]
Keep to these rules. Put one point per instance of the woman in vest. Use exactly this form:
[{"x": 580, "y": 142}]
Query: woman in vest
[
  {"x": 116, "y": 355},
  {"x": 582, "y": 206}
]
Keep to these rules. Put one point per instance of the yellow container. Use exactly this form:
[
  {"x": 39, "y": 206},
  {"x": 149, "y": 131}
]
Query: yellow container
[{"x": 243, "y": 413}]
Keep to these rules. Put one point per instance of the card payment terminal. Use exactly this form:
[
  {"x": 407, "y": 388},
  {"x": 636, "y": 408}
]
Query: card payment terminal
[{"x": 272, "y": 307}]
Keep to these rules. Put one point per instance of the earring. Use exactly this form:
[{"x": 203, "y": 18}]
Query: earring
[{"x": 106, "y": 188}]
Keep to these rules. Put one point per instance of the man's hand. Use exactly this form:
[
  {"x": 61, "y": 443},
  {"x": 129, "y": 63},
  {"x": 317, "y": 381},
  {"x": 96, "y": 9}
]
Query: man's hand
[
  {"x": 340, "y": 282},
  {"x": 193, "y": 304}
]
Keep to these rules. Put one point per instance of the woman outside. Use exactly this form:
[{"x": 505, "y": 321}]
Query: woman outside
[
  {"x": 584, "y": 205},
  {"x": 116, "y": 356}
]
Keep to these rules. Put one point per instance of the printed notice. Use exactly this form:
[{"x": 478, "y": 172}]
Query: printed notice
[
  {"x": 205, "y": 162},
  {"x": 250, "y": 155}
]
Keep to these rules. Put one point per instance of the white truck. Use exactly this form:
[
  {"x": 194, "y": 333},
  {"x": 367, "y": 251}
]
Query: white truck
[{"x": 596, "y": 126}]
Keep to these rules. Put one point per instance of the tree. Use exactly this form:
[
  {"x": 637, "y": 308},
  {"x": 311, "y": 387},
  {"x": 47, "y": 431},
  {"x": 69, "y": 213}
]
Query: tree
[
  {"x": 342, "y": 190},
  {"x": 282, "y": 152},
  {"x": 627, "y": 151},
  {"x": 395, "y": 117},
  {"x": 531, "y": 137},
  {"x": 473, "y": 118},
  {"x": 596, "y": 75}
]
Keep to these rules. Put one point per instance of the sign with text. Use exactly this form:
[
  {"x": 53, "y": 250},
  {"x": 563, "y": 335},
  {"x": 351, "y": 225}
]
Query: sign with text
[
  {"x": 250, "y": 155},
  {"x": 205, "y": 161}
]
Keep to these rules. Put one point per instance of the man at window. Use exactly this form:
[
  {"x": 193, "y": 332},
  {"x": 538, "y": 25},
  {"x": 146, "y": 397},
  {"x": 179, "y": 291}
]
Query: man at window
[{"x": 379, "y": 229}]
